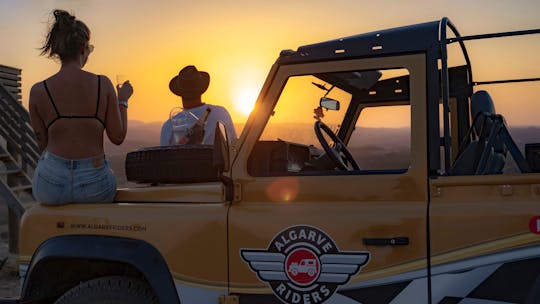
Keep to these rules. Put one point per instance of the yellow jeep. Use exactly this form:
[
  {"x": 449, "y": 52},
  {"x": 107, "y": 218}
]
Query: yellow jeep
[{"x": 374, "y": 161}]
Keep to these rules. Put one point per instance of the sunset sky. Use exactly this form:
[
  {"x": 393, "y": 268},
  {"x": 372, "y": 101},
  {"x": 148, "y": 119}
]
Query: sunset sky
[{"x": 237, "y": 41}]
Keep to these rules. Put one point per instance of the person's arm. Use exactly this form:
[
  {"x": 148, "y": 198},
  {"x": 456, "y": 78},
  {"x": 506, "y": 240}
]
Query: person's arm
[
  {"x": 36, "y": 121},
  {"x": 116, "y": 122},
  {"x": 231, "y": 132}
]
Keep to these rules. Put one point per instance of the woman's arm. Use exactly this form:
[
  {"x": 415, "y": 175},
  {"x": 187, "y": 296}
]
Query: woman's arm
[
  {"x": 116, "y": 116},
  {"x": 35, "y": 119}
]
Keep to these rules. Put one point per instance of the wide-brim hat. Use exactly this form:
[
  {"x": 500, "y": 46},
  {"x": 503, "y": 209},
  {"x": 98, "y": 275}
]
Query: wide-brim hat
[{"x": 189, "y": 81}]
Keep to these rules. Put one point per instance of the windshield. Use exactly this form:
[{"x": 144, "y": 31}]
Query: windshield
[
  {"x": 299, "y": 105},
  {"x": 294, "y": 115},
  {"x": 366, "y": 117}
]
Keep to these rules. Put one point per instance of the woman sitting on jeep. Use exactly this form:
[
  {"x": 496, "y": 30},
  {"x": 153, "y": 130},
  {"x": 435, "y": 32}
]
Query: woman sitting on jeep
[{"x": 69, "y": 113}]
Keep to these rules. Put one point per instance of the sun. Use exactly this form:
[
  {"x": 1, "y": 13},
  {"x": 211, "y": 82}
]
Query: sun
[{"x": 244, "y": 98}]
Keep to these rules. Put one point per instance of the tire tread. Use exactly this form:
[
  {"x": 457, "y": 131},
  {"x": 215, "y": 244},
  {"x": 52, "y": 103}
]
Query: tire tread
[{"x": 110, "y": 290}]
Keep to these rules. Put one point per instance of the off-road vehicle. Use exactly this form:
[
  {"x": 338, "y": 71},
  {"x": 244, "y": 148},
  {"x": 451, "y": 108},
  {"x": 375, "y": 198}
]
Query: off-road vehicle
[{"x": 378, "y": 156}]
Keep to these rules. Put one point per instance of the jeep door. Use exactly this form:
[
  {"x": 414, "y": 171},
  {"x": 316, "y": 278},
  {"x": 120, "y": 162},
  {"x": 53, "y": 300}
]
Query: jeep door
[{"x": 365, "y": 229}]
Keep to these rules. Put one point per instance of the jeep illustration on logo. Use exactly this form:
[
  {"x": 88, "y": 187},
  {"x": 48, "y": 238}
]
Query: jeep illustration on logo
[
  {"x": 303, "y": 265},
  {"x": 308, "y": 266}
]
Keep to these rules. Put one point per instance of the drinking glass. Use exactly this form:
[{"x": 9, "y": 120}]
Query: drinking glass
[
  {"x": 182, "y": 125},
  {"x": 120, "y": 79}
]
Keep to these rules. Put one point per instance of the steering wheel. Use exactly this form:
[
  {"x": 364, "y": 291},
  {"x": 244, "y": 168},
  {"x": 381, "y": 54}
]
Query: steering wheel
[{"x": 339, "y": 154}]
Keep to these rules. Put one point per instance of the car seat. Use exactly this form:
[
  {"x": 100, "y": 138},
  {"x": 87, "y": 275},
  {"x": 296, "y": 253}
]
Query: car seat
[{"x": 484, "y": 149}]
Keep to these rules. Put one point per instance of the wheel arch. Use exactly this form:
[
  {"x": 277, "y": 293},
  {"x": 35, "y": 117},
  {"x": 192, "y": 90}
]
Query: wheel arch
[{"x": 62, "y": 262}]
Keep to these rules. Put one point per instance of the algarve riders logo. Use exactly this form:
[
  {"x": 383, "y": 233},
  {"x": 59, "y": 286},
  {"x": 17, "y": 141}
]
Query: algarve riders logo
[{"x": 303, "y": 265}]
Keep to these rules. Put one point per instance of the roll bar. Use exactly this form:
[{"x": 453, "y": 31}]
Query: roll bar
[{"x": 444, "y": 42}]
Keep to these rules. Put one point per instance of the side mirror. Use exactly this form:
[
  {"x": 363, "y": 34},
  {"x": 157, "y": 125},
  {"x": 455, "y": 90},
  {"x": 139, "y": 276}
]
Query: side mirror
[
  {"x": 221, "y": 148},
  {"x": 329, "y": 103}
]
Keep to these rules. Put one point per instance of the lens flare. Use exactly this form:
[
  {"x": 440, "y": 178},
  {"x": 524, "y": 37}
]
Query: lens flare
[{"x": 283, "y": 189}]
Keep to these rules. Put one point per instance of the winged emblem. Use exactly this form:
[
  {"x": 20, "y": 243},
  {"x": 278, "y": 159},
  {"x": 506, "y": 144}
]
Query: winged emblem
[
  {"x": 302, "y": 264},
  {"x": 334, "y": 268}
]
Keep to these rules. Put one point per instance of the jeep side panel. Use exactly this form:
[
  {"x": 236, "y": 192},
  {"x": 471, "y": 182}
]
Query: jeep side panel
[
  {"x": 164, "y": 217},
  {"x": 482, "y": 231}
]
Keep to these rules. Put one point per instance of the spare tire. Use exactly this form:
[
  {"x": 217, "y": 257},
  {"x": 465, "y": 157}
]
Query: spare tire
[{"x": 171, "y": 164}]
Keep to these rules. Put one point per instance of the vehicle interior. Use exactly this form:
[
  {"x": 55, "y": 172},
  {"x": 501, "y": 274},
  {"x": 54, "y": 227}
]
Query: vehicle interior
[
  {"x": 347, "y": 123},
  {"x": 358, "y": 122}
]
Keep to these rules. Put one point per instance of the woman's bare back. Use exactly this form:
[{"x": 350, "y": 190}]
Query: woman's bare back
[{"x": 74, "y": 93}]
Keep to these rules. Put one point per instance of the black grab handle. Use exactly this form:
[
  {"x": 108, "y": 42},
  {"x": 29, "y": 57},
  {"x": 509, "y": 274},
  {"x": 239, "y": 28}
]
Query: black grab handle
[{"x": 395, "y": 241}]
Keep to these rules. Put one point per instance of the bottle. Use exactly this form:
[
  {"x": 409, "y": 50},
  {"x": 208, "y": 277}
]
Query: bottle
[
  {"x": 197, "y": 131},
  {"x": 202, "y": 121}
]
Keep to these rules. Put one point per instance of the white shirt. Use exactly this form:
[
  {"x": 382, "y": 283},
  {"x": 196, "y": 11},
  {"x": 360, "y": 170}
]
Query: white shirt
[{"x": 218, "y": 113}]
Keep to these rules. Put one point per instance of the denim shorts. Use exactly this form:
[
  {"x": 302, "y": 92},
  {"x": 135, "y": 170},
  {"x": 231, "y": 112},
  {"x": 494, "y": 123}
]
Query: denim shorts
[{"x": 60, "y": 181}]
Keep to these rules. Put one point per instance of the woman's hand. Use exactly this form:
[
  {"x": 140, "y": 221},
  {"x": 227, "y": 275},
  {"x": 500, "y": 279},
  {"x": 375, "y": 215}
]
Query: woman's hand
[{"x": 125, "y": 91}]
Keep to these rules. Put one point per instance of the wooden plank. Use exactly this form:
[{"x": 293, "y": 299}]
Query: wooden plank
[
  {"x": 31, "y": 152},
  {"x": 21, "y": 188},
  {"x": 9, "y": 172},
  {"x": 10, "y": 76},
  {"x": 21, "y": 124},
  {"x": 11, "y": 200},
  {"x": 10, "y": 117},
  {"x": 7, "y": 84},
  {"x": 6, "y": 97},
  {"x": 16, "y": 130},
  {"x": 13, "y": 90},
  {"x": 15, "y": 107},
  {"x": 13, "y": 96},
  {"x": 10, "y": 70},
  {"x": 24, "y": 138},
  {"x": 13, "y": 93},
  {"x": 28, "y": 154},
  {"x": 30, "y": 140},
  {"x": 10, "y": 83},
  {"x": 5, "y": 134},
  {"x": 24, "y": 143},
  {"x": 18, "y": 97},
  {"x": 31, "y": 161}
]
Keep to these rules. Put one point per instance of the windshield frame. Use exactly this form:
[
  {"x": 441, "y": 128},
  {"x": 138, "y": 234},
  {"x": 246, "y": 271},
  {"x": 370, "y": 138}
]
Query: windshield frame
[{"x": 414, "y": 63}]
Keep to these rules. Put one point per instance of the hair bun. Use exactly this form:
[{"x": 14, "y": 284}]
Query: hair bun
[
  {"x": 67, "y": 36},
  {"x": 63, "y": 18}
]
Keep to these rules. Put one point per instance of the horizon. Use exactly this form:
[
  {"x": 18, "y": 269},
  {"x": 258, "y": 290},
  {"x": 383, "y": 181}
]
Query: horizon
[{"x": 292, "y": 123}]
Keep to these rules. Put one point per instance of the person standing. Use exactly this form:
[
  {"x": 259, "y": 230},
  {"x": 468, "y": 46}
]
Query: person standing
[
  {"x": 70, "y": 111},
  {"x": 190, "y": 84}
]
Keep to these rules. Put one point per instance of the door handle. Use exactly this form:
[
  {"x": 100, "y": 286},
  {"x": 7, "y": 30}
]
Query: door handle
[{"x": 395, "y": 241}]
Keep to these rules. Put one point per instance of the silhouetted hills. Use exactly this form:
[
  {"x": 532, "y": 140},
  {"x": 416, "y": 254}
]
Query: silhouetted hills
[{"x": 373, "y": 148}]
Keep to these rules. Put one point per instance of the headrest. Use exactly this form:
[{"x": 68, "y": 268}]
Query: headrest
[{"x": 481, "y": 102}]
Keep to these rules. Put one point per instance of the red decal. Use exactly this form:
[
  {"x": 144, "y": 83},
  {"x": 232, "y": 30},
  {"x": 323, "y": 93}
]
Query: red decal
[
  {"x": 302, "y": 266},
  {"x": 534, "y": 224}
]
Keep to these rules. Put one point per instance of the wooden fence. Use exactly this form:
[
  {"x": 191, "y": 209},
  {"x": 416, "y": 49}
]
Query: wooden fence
[
  {"x": 18, "y": 151},
  {"x": 11, "y": 79}
]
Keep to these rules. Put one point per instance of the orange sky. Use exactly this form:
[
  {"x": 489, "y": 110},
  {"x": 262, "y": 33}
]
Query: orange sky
[{"x": 237, "y": 41}]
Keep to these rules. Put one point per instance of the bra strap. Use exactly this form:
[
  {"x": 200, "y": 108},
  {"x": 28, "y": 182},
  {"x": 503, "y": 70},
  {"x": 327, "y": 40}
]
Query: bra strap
[
  {"x": 50, "y": 98},
  {"x": 98, "y": 94}
]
